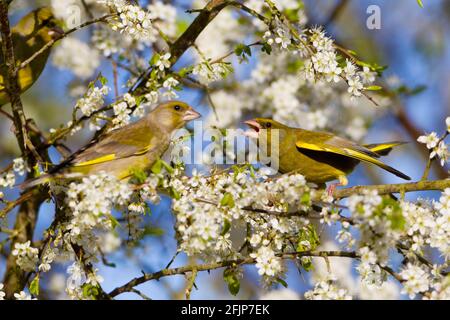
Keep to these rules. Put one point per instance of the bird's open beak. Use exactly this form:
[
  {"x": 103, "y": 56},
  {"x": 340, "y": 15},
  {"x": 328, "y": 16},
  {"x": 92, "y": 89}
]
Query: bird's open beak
[
  {"x": 254, "y": 129},
  {"x": 56, "y": 32},
  {"x": 191, "y": 115}
]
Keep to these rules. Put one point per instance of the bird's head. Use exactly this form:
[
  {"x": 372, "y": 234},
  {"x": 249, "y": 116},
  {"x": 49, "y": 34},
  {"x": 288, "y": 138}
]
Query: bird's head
[
  {"x": 40, "y": 23},
  {"x": 174, "y": 114},
  {"x": 257, "y": 126}
]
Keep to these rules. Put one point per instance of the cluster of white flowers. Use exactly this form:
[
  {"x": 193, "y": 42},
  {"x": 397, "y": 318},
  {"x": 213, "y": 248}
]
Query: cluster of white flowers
[
  {"x": 163, "y": 62},
  {"x": 92, "y": 100},
  {"x": 281, "y": 37},
  {"x": 109, "y": 42},
  {"x": 91, "y": 202},
  {"x": 123, "y": 109},
  {"x": 7, "y": 179},
  {"x": 27, "y": 256},
  {"x": 76, "y": 56},
  {"x": 427, "y": 224},
  {"x": 267, "y": 262},
  {"x": 78, "y": 278},
  {"x": 327, "y": 290},
  {"x": 22, "y": 295},
  {"x": 134, "y": 21},
  {"x": 379, "y": 223},
  {"x": 207, "y": 208},
  {"x": 208, "y": 72},
  {"x": 416, "y": 280},
  {"x": 20, "y": 166},
  {"x": 164, "y": 17},
  {"x": 275, "y": 90},
  {"x": 437, "y": 146},
  {"x": 2, "y": 293}
]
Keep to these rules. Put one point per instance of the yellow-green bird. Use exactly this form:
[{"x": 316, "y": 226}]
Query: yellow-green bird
[
  {"x": 124, "y": 151},
  {"x": 319, "y": 156},
  {"x": 30, "y": 34}
]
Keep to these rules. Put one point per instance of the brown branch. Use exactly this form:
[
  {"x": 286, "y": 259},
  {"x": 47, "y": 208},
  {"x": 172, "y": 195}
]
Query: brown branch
[
  {"x": 11, "y": 80},
  {"x": 217, "y": 265},
  {"x": 394, "y": 188}
]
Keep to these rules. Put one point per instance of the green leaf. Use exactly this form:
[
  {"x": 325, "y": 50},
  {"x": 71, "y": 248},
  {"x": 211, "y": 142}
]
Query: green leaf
[
  {"x": 309, "y": 234},
  {"x": 175, "y": 194},
  {"x": 154, "y": 59},
  {"x": 266, "y": 48},
  {"x": 167, "y": 166},
  {"x": 90, "y": 291},
  {"x": 306, "y": 199},
  {"x": 182, "y": 25},
  {"x": 231, "y": 278},
  {"x": 282, "y": 282},
  {"x": 307, "y": 264},
  {"x": 226, "y": 227},
  {"x": 420, "y": 3},
  {"x": 153, "y": 231},
  {"x": 139, "y": 175},
  {"x": 374, "y": 88},
  {"x": 114, "y": 221},
  {"x": 227, "y": 200},
  {"x": 102, "y": 80},
  {"x": 243, "y": 51},
  {"x": 410, "y": 91},
  {"x": 390, "y": 208},
  {"x": 157, "y": 167},
  {"x": 34, "y": 286}
]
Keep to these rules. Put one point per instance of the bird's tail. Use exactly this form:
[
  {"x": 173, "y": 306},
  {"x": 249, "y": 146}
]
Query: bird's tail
[{"x": 383, "y": 149}]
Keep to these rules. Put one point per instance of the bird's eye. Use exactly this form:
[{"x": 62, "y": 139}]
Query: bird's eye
[
  {"x": 268, "y": 125},
  {"x": 177, "y": 107}
]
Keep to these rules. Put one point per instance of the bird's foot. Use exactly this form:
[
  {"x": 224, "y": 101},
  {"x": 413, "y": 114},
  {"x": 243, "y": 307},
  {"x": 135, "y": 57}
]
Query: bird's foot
[{"x": 331, "y": 188}]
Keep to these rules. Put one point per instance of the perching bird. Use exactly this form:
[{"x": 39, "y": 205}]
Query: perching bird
[
  {"x": 32, "y": 33},
  {"x": 124, "y": 151},
  {"x": 319, "y": 156}
]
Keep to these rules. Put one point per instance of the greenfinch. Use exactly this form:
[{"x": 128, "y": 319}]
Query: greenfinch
[
  {"x": 30, "y": 34},
  {"x": 319, "y": 156},
  {"x": 123, "y": 152}
]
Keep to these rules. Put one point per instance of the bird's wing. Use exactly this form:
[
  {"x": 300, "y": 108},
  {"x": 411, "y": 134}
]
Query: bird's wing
[
  {"x": 329, "y": 143},
  {"x": 132, "y": 140}
]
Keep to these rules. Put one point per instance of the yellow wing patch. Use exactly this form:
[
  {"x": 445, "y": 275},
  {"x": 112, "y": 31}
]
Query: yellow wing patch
[
  {"x": 310, "y": 146},
  {"x": 352, "y": 154},
  {"x": 384, "y": 146},
  {"x": 108, "y": 157}
]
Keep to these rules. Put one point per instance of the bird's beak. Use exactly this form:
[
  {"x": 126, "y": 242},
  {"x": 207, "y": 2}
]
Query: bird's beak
[
  {"x": 191, "y": 115},
  {"x": 254, "y": 129},
  {"x": 56, "y": 32}
]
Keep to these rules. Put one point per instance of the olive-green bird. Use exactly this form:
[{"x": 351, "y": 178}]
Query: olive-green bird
[
  {"x": 122, "y": 152},
  {"x": 30, "y": 34},
  {"x": 319, "y": 156}
]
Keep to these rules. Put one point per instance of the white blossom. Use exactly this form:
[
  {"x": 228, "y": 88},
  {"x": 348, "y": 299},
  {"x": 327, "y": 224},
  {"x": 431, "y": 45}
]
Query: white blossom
[{"x": 416, "y": 280}]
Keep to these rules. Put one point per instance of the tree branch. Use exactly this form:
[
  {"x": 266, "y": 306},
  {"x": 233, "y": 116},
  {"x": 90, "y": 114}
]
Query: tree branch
[
  {"x": 394, "y": 188},
  {"x": 128, "y": 287},
  {"x": 11, "y": 79}
]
